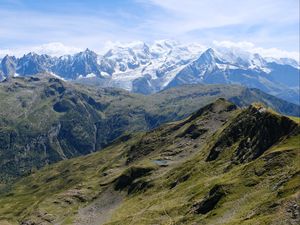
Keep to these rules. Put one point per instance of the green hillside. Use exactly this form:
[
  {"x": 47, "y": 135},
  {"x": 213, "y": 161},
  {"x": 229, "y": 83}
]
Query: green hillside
[
  {"x": 45, "y": 120},
  {"x": 221, "y": 165}
]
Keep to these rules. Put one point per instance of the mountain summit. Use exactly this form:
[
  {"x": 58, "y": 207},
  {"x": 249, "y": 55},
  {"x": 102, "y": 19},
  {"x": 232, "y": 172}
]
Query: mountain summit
[{"x": 146, "y": 69}]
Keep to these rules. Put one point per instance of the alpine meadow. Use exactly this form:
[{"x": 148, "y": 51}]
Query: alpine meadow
[{"x": 149, "y": 112}]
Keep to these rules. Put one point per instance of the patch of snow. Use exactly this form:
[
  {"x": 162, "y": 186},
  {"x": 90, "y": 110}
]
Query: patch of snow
[
  {"x": 57, "y": 76},
  {"x": 90, "y": 75},
  {"x": 104, "y": 74},
  {"x": 284, "y": 61}
]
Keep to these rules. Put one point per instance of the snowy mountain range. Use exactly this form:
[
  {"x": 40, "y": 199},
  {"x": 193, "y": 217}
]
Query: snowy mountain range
[{"x": 146, "y": 69}]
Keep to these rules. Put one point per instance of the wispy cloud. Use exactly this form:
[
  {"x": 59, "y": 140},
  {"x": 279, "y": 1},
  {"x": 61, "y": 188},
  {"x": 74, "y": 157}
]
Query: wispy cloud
[
  {"x": 90, "y": 23},
  {"x": 59, "y": 49},
  {"x": 53, "y": 49},
  {"x": 255, "y": 20},
  {"x": 265, "y": 52},
  {"x": 34, "y": 27},
  {"x": 208, "y": 14}
]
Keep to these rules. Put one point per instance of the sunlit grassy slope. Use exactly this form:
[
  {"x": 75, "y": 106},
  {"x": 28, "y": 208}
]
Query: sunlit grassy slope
[
  {"x": 222, "y": 165},
  {"x": 44, "y": 120}
]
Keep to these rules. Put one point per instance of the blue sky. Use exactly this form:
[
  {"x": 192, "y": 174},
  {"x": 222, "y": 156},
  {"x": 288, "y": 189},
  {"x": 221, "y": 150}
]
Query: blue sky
[{"x": 78, "y": 24}]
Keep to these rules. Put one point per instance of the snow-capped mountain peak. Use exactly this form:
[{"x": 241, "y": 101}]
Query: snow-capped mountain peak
[
  {"x": 284, "y": 61},
  {"x": 148, "y": 68}
]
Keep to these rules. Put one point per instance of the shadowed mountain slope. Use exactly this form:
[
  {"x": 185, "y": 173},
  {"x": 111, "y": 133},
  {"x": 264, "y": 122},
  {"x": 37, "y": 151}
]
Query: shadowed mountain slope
[
  {"x": 168, "y": 175},
  {"x": 44, "y": 120}
]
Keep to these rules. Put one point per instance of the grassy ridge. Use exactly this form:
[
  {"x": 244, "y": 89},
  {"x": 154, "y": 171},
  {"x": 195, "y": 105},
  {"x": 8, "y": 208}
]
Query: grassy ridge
[
  {"x": 44, "y": 120},
  {"x": 168, "y": 179}
]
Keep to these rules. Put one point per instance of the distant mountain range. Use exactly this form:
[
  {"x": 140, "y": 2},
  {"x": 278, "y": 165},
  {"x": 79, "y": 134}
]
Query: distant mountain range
[{"x": 146, "y": 69}]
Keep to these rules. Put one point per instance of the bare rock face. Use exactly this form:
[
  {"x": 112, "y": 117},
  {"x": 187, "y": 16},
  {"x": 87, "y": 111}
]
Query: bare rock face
[
  {"x": 293, "y": 210},
  {"x": 58, "y": 120},
  {"x": 126, "y": 180},
  {"x": 8, "y": 65},
  {"x": 255, "y": 130},
  {"x": 210, "y": 200}
]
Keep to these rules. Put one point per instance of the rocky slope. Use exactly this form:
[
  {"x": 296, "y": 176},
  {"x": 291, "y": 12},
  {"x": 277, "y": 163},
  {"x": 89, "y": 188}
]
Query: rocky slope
[
  {"x": 45, "y": 120},
  {"x": 221, "y": 165},
  {"x": 146, "y": 69}
]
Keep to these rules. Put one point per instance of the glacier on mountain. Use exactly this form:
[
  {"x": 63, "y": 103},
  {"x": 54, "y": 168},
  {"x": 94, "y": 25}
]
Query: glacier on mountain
[{"x": 149, "y": 68}]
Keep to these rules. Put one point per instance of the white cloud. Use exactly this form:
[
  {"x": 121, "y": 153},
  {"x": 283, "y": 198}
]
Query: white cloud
[
  {"x": 229, "y": 44},
  {"x": 266, "y": 23},
  {"x": 265, "y": 52},
  {"x": 53, "y": 49},
  {"x": 215, "y": 13},
  {"x": 35, "y": 27},
  {"x": 59, "y": 49},
  {"x": 263, "y": 22}
]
